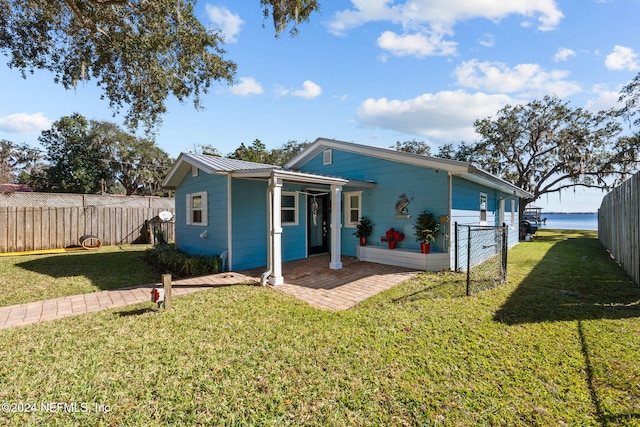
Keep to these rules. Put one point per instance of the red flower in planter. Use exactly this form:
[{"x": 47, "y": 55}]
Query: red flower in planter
[{"x": 392, "y": 236}]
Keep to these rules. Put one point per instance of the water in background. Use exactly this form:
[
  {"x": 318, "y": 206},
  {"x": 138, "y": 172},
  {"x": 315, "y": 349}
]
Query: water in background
[{"x": 570, "y": 221}]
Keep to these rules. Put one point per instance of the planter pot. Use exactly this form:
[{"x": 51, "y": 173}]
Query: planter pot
[
  {"x": 425, "y": 248},
  {"x": 392, "y": 244},
  {"x": 363, "y": 241}
]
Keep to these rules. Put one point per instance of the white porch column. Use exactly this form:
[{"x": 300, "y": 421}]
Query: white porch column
[
  {"x": 276, "y": 233},
  {"x": 336, "y": 226}
]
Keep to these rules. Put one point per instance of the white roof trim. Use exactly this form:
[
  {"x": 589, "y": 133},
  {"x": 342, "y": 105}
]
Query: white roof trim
[{"x": 291, "y": 176}]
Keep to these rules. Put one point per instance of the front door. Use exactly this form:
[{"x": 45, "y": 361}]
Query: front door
[{"x": 318, "y": 223}]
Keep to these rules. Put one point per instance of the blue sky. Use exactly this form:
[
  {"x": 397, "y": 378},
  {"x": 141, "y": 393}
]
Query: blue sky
[{"x": 376, "y": 72}]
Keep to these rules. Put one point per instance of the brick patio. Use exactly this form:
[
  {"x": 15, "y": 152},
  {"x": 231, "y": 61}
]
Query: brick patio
[
  {"x": 312, "y": 281},
  {"x": 309, "y": 280}
]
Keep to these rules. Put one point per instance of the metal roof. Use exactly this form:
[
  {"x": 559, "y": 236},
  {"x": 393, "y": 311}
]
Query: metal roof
[
  {"x": 214, "y": 164},
  {"x": 242, "y": 169}
]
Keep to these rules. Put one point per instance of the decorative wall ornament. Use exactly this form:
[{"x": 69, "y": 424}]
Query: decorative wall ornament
[
  {"x": 314, "y": 211},
  {"x": 402, "y": 209}
]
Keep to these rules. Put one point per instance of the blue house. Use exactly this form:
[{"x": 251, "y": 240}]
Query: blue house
[{"x": 263, "y": 215}]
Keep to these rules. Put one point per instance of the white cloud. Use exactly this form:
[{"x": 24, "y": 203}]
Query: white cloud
[
  {"x": 444, "y": 13},
  {"x": 604, "y": 99},
  {"x": 563, "y": 54},
  {"x": 444, "y": 116},
  {"x": 622, "y": 58},
  {"x": 227, "y": 21},
  {"x": 365, "y": 11},
  {"x": 23, "y": 123},
  {"x": 418, "y": 45},
  {"x": 487, "y": 40},
  {"x": 528, "y": 79},
  {"x": 247, "y": 86},
  {"x": 309, "y": 90}
]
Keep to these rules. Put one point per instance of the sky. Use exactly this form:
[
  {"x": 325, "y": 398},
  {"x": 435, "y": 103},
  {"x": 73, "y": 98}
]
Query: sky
[{"x": 375, "y": 72}]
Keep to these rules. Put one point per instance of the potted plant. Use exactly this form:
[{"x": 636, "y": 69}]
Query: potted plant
[
  {"x": 392, "y": 237},
  {"x": 426, "y": 229},
  {"x": 364, "y": 228}
]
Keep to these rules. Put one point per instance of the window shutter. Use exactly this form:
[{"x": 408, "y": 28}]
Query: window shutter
[
  {"x": 188, "y": 205},
  {"x": 205, "y": 208}
]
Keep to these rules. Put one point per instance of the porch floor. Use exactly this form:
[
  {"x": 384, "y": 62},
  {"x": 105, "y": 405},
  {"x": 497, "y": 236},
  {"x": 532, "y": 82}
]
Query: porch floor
[{"x": 312, "y": 281}]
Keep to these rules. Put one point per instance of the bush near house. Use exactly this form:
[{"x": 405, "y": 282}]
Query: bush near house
[{"x": 168, "y": 259}]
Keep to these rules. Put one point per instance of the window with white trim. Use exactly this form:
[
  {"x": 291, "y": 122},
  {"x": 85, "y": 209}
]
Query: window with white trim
[
  {"x": 197, "y": 213},
  {"x": 327, "y": 157},
  {"x": 483, "y": 209},
  {"x": 289, "y": 208},
  {"x": 352, "y": 208}
]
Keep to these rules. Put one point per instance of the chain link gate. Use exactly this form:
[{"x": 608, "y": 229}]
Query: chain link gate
[{"x": 482, "y": 251}]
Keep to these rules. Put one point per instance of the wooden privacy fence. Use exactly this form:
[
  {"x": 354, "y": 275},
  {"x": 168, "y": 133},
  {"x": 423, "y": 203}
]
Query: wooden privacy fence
[
  {"x": 26, "y": 228},
  {"x": 619, "y": 225}
]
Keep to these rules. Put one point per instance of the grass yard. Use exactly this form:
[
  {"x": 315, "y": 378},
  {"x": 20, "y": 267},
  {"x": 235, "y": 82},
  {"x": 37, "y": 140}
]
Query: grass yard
[
  {"x": 556, "y": 346},
  {"x": 38, "y": 277}
]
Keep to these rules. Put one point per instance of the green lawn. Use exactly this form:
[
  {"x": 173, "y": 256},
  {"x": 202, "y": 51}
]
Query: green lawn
[
  {"x": 556, "y": 346},
  {"x": 37, "y": 277}
]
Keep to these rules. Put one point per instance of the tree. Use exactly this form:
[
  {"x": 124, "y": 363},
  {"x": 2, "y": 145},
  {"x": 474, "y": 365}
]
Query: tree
[
  {"x": 15, "y": 158},
  {"x": 280, "y": 156},
  {"x": 136, "y": 164},
  {"x": 463, "y": 152},
  {"x": 76, "y": 162},
  {"x": 88, "y": 156},
  {"x": 257, "y": 152},
  {"x": 630, "y": 96},
  {"x": 207, "y": 149},
  {"x": 546, "y": 146},
  {"x": 413, "y": 146},
  {"x": 286, "y": 11},
  {"x": 139, "y": 52}
]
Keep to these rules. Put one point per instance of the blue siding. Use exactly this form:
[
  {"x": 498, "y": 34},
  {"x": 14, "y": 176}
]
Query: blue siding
[
  {"x": 465, "y": 203},
  {"x": 249, "y": 225},
  {"x": 427, "y": 189},
  {"x": 188, "y": 236},
  {"x": 465, "y": 206},
  {"x": 466, "y": 210},
  {"x": 294, "y": 237}
]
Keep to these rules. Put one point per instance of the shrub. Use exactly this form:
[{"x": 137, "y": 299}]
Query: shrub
[{"x": 167, "y": 258}]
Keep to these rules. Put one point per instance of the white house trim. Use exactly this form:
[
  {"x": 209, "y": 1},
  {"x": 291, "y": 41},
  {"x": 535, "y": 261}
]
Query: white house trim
[
  {"x": 229, "y": 225},
  {"x": 336, "y": 226},
  {"x": 275, "y": 237},
  {"x": 274, "y": 217}
]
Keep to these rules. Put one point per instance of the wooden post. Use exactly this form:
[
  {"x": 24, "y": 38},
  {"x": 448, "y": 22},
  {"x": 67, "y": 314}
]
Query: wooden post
[{"x": 166, "y": 282}]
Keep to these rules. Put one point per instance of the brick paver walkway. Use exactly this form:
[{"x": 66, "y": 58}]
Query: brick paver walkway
[{"x": 309, "y": 280}]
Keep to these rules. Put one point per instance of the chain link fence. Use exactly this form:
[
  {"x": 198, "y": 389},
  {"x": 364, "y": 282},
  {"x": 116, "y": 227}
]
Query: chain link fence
[{"x": 481, "y": 251}]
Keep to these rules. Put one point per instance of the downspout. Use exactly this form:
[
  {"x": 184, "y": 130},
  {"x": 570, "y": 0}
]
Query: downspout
[{"x": 265, "y": 276}]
